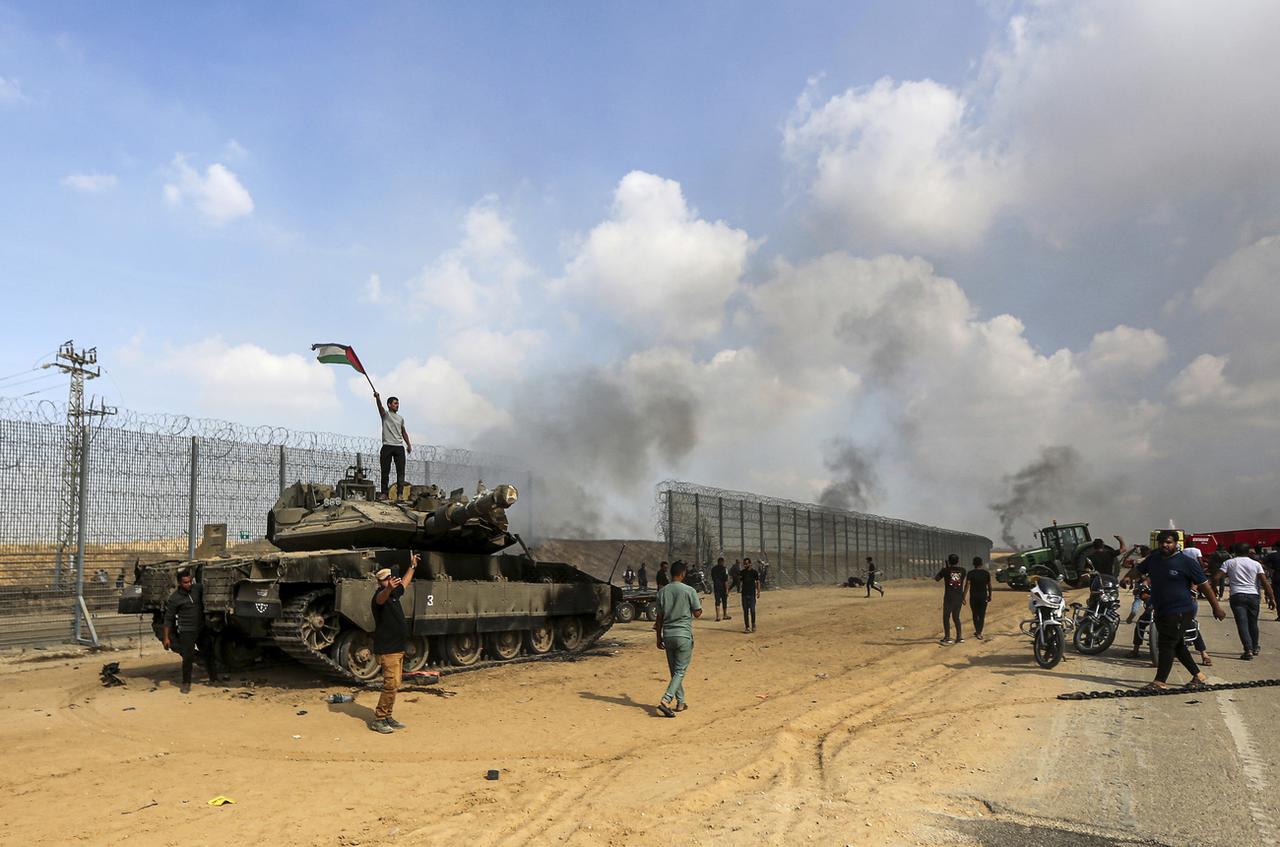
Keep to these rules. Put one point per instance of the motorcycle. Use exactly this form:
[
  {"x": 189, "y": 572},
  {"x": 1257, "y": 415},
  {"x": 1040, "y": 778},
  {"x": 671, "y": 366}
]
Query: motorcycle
[
  {"x": 1097, "y": 623},
  {"x": 1047, "y": 628}
]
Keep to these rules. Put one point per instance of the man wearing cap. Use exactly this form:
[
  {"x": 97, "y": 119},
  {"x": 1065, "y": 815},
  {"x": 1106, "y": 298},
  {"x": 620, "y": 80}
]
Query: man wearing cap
[{"x": 390, "y": 634}]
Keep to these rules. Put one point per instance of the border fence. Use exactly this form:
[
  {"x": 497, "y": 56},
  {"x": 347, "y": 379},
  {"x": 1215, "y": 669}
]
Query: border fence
[
  {"x": 801, "y": 543},
  {"x": 147, "y": 485}
]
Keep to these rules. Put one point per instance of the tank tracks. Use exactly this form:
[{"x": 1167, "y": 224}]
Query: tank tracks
[{"x": 286, "y": 633}]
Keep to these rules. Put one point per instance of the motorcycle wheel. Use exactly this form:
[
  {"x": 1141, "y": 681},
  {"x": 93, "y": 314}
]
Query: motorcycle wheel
[
  {"x": 1093, "y": 638},
  {"x": 1048, "y": 646}
]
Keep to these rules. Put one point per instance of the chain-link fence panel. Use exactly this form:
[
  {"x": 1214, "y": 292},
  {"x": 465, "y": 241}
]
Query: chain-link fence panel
[
  {"x": 799, "y": 543},
  {"x": 149, "y": 483}
]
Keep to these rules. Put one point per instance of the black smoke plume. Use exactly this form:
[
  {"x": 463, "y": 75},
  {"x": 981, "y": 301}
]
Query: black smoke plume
[
  {"x": 855, "y": 485},
  {"x": 1034, "y": 489}
]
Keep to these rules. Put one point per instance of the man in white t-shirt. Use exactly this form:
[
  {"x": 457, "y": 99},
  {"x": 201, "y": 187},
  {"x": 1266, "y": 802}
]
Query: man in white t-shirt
[
  {"x": 1244, "y": 575},
  {"x": 395, "y": 441}
]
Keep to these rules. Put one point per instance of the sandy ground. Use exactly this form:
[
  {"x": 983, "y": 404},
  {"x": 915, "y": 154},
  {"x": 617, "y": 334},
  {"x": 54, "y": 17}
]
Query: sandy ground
[{"x": 841, "y": 721}]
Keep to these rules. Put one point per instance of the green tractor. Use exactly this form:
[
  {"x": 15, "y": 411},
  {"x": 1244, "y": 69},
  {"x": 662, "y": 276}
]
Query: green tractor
[{"x": 1061, "y": 556}]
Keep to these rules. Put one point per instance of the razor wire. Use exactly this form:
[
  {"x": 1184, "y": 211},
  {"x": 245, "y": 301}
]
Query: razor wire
[
  {"x": 152, "y": 480},
  {"x": 801, "y": 543}
]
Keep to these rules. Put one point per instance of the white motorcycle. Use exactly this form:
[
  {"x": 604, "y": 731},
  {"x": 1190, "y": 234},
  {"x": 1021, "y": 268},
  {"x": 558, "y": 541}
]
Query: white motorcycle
[{"x": 1049, "y": 624}]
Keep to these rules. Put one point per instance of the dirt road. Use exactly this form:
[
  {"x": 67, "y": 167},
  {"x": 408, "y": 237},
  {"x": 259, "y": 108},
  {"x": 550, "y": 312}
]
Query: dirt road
[{"x": 841, "y": 721}]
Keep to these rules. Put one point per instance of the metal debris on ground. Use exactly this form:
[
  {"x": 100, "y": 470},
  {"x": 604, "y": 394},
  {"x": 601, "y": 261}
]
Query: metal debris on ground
[
  {"x": 1162, "y": 692},
  {"x": 110, "y": 675}
]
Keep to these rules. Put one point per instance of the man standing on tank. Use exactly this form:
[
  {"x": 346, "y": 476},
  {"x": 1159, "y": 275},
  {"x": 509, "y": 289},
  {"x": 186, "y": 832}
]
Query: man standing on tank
[
  {"x": 390, "y": 634},
  {"x": 720, "y": 587},
  {"x": 184, "y": 627},
  {"x": 395, "y": 441},
  {"x": 678, "y": 604},
  {"x": 749, "y": 585},
  {"x": 978, "y": 584}
]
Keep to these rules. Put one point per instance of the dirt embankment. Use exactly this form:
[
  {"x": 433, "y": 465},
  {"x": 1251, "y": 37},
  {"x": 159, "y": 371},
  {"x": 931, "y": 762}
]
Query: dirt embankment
[{"x": 597, "y": 557}]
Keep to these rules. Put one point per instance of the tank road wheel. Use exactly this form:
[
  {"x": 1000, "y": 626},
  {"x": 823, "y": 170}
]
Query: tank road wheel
[
  {"x": 540, "y": 638},
  {"x": 624, "y": 612},
  {"x": 236, "y": 652},
  {"x": 462, "y": 648},
  {"x": 354, "y": 653},
  {"x": 569, "y": 633},
  {"x": 416, "y": 653},
  {"x": 651, "y": 611},
  {"x": 503, "y": 645},
  {"x": 319, "y": 627}
]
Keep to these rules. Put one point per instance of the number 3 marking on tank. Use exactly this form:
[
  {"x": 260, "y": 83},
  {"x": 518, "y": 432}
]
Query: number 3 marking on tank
[{"x": 431, "y": 599}]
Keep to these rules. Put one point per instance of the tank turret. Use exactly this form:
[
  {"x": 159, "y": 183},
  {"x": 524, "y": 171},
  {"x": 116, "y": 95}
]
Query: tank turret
[{"x": 308, "y": 516}]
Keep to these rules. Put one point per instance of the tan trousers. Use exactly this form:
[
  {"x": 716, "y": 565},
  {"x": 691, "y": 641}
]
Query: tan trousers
[{"x": 392, "y": 670}]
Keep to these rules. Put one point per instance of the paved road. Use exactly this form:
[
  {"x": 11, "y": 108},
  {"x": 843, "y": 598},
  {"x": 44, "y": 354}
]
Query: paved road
[{"x": 1189, "y": 769}]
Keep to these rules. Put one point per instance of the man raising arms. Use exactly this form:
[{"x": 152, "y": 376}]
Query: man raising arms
[{"x": 395, "y": 441}]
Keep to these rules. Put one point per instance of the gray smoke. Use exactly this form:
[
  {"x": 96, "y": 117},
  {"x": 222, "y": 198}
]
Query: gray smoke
[
  {"x": 855, "y": 485},
  {"x": 590, "y": 436},
  {"x": 1033, "y": 490}
]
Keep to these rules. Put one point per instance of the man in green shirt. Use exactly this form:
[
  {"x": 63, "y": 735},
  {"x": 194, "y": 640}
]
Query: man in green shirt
[{"x": 678, "y": 605}]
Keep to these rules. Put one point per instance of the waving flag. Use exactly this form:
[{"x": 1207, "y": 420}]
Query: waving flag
[{"x": 338, "y": 354}]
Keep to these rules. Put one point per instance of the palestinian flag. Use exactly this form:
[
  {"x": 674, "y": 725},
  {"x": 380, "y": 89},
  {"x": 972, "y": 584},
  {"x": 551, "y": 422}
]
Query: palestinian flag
[{"x": 337, "y": 354}]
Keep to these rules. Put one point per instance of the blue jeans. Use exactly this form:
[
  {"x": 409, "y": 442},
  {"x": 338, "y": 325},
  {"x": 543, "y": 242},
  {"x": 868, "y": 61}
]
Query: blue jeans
[
  {"x": 679, "y": 655},
  {"x": 1244, "y": 607}
]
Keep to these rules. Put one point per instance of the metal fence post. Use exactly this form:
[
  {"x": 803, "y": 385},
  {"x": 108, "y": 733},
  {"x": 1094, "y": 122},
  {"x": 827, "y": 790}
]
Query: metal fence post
[
  {"x": 671, "y": 520},
  {"x": 697, "y": 527},
  {"x": 191, "y": 498},
  {"x": 283, "y": 473},
  {"x": 81, "y": 530},
  {"x": 742, "y": 529}
]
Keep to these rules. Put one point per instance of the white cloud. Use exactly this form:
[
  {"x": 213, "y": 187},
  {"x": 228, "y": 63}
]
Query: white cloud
[
  {"x": 218, "y": 194},
  {"x": 10, "y": 91},
  {"x": 1125, "y": 352},
  {"x": 90, "y": 183},
  {"x": 234, "y": 151},
  {"x": 439, "y": 404},
  {"x": 373, "y": 289},
  {"x": 478, "y": 281},
  {"x": 491, "y": 353},
  {"x": 898, "y": 162},
  {"x": 655, "y": 263},
  {"x": 1081, "y": 115},
  {"x": 249, "y": 383}
]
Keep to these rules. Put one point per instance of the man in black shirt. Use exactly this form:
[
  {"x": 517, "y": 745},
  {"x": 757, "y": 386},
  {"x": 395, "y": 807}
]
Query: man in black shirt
[
  {"x": 978, "y": 584},
  {"x": 749, "y": 582},
  {"x": 184, "y": 627},
  {"x": 390, "y": 634},
  {"x": 734, "y": 572},
  {"x": 662, "y": 578},
  {"x": 871, "y": 578},
  {"x": 642, "y": 576},
  {"x": 952, "y": 597},
  {"x": 720, "y": 587}
]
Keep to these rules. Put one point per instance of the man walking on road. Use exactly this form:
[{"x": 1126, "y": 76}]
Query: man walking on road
[
  {"x": 1243, "y": 576},
  {"x": 390, "y": 634},
  {"x": 749, "y": 583},
  {"x": 395, "y": 441},
  {"x": 871, "y": 578},
  {"x": 952, "y": 577},
  {"x": 720, "y": 588},
  {"x": 678, "y": 605},
  {"x": 735, "y": 573},
  {"x": 642, "y": 576},
  {"x": 1172, "y": 576},
  {"x": 184, "y": 627},
  {"x": 978, "y": 585}
]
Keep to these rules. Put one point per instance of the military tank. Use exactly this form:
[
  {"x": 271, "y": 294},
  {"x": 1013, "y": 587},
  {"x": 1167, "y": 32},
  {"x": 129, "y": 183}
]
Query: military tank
[{"x": 478, "y": 596}]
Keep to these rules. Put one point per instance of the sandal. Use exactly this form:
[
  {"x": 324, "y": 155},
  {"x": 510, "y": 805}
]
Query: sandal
[
  {"x": 1207, "y": 662},
  {"x": 680, "y": 707},
  {"x": 1153, "y": 686},
  {"x": 1196, "y": 685},
  {"x": 665, "y": 708}
]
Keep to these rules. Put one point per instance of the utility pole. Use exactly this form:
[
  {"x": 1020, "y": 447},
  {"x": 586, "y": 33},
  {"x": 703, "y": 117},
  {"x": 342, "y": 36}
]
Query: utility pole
[{"x": 81, "y": 365}]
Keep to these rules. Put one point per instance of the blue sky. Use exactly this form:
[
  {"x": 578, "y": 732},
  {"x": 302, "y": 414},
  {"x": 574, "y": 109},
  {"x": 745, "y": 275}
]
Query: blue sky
[{"x": 519, "y": 212}]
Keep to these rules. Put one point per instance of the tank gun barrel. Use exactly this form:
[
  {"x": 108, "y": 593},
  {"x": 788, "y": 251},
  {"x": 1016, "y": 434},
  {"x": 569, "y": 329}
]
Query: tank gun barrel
[{"x": 491, "y": 507}]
